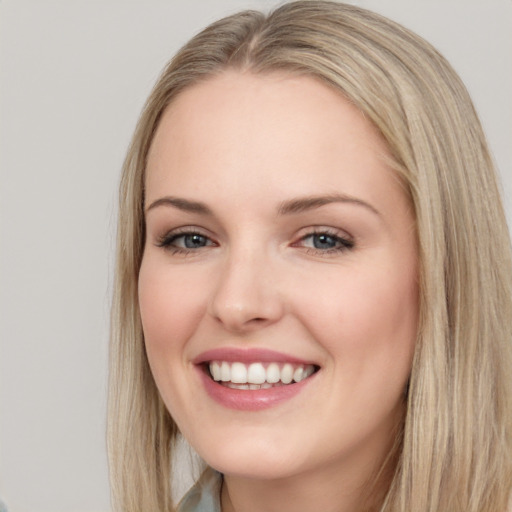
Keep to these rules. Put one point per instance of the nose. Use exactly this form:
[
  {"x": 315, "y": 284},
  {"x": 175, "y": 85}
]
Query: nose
[{"x": 246, "y": 296}]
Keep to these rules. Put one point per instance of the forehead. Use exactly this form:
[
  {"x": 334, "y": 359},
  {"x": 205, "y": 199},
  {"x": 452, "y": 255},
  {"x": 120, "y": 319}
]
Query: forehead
[
  {"x": 281, "y": 131},
  {"x": 240, "y": 98}
]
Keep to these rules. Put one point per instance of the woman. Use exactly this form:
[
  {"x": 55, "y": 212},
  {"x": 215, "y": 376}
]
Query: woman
[{"x": 313, "y": 277}]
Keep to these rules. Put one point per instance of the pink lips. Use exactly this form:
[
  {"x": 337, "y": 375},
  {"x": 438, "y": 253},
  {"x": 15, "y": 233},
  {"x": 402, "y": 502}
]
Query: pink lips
[
  {"x": 247, "y": 356},
  {"x": 248, "y": 400}
]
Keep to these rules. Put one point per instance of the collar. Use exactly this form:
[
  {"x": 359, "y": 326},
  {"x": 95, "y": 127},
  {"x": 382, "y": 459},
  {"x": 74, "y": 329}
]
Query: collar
[{"x": 204, "y": 496}]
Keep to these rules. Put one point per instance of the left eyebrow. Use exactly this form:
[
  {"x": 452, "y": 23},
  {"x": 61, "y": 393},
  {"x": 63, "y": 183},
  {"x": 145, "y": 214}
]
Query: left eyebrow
[
  {"x": 303, "y": 204},
  {"x": 181, "y": 204}
]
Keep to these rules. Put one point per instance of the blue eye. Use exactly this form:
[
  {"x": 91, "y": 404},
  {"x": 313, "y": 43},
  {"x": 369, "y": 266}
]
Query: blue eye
[
  {"x": 192, "y": 241},
  {"x": 326, "y": 242},
  {"x": 184, "y": 242}
]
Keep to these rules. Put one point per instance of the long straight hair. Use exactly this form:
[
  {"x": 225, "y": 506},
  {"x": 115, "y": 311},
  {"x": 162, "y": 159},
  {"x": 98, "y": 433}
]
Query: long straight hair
[{"x": 455, "y": 450}]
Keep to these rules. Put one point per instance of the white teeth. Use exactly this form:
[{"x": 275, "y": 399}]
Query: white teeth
[
  {"x": 225, "y": 372},
  {"x": 238, "y": 373},
  {"x": 273, "y": 373},
  {"x": 302, "y": 372},
  {"x": 215, "y": 369},
  {"x": 255, "y": 376},
  {"x": 298, "y": 374},
  {"x": 308, "y": 370},
  {"x": 287, "y": 373},
  {"x": 237, "y": 386}
]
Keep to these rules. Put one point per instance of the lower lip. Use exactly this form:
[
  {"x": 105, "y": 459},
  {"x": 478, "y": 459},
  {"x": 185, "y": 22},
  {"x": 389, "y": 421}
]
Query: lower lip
[{"x": 251, "y": 399}]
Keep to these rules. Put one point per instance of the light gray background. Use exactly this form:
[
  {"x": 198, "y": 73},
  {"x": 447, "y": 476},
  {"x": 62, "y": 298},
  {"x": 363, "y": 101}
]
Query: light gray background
[{"x": 74, "y": 75}]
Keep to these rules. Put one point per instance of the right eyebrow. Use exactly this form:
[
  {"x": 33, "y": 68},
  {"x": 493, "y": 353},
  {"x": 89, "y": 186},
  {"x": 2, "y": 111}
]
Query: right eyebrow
[
  {"x": 180, "y": 203},
  {"x": 302, "y": 204}
]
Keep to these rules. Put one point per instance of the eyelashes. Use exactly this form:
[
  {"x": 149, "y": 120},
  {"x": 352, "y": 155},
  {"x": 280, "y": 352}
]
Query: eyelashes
[
  {"x": 325, "y": 241},
  {"x": 185, "y": 241},
  {"x": 318, "y": 241}
]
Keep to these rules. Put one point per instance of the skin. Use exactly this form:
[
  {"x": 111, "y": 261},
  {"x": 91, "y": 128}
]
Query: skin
[{"x": 243, "y": 145}]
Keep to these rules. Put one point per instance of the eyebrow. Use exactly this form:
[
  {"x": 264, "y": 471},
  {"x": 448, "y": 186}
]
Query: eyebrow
[
  {"x": 289, "y": 207},
  {"x": 311, "y": 202},
  {"x": 182, "y": 204}
]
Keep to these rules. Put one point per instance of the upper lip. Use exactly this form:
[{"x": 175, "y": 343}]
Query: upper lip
[{"x": 248, "y": 355}]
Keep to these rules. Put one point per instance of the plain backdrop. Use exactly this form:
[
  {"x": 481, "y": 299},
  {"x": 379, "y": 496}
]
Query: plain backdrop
[{"x": 74, "y": 76}]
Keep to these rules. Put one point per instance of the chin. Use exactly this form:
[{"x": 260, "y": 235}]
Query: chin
[
  {"x": 246, "y": 467},
  {"x": 250, "y": 458}
]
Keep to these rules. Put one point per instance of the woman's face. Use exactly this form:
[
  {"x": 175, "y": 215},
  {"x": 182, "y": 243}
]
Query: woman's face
[{"x": 279, "y": 246}]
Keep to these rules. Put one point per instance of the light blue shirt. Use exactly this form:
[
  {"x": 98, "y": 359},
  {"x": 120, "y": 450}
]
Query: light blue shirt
[{"x": 204, "y": 496}]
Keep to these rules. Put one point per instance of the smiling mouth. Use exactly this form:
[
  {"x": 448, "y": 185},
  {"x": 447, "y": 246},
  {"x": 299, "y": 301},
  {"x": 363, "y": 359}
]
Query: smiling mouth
[{"x": 258, "y": 375}]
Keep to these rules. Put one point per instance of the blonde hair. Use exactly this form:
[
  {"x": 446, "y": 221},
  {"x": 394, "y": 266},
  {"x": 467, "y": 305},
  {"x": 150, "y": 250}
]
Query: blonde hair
[{"x": 455, "y": 452}]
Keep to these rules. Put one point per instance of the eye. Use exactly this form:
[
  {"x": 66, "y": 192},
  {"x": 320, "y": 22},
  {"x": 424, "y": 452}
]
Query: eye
[
  {"x": 325, "y": 242},
  {"x": 185, "y": 241}
]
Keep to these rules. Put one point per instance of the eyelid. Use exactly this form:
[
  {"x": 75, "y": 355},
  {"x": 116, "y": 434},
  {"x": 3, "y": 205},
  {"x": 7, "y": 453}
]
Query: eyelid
[{"x": 328, "y": 230}]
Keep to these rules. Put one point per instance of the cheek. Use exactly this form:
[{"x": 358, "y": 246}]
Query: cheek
[
  {"x": 170, "y": 307},
  {"x": 367, "y": 318}
]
